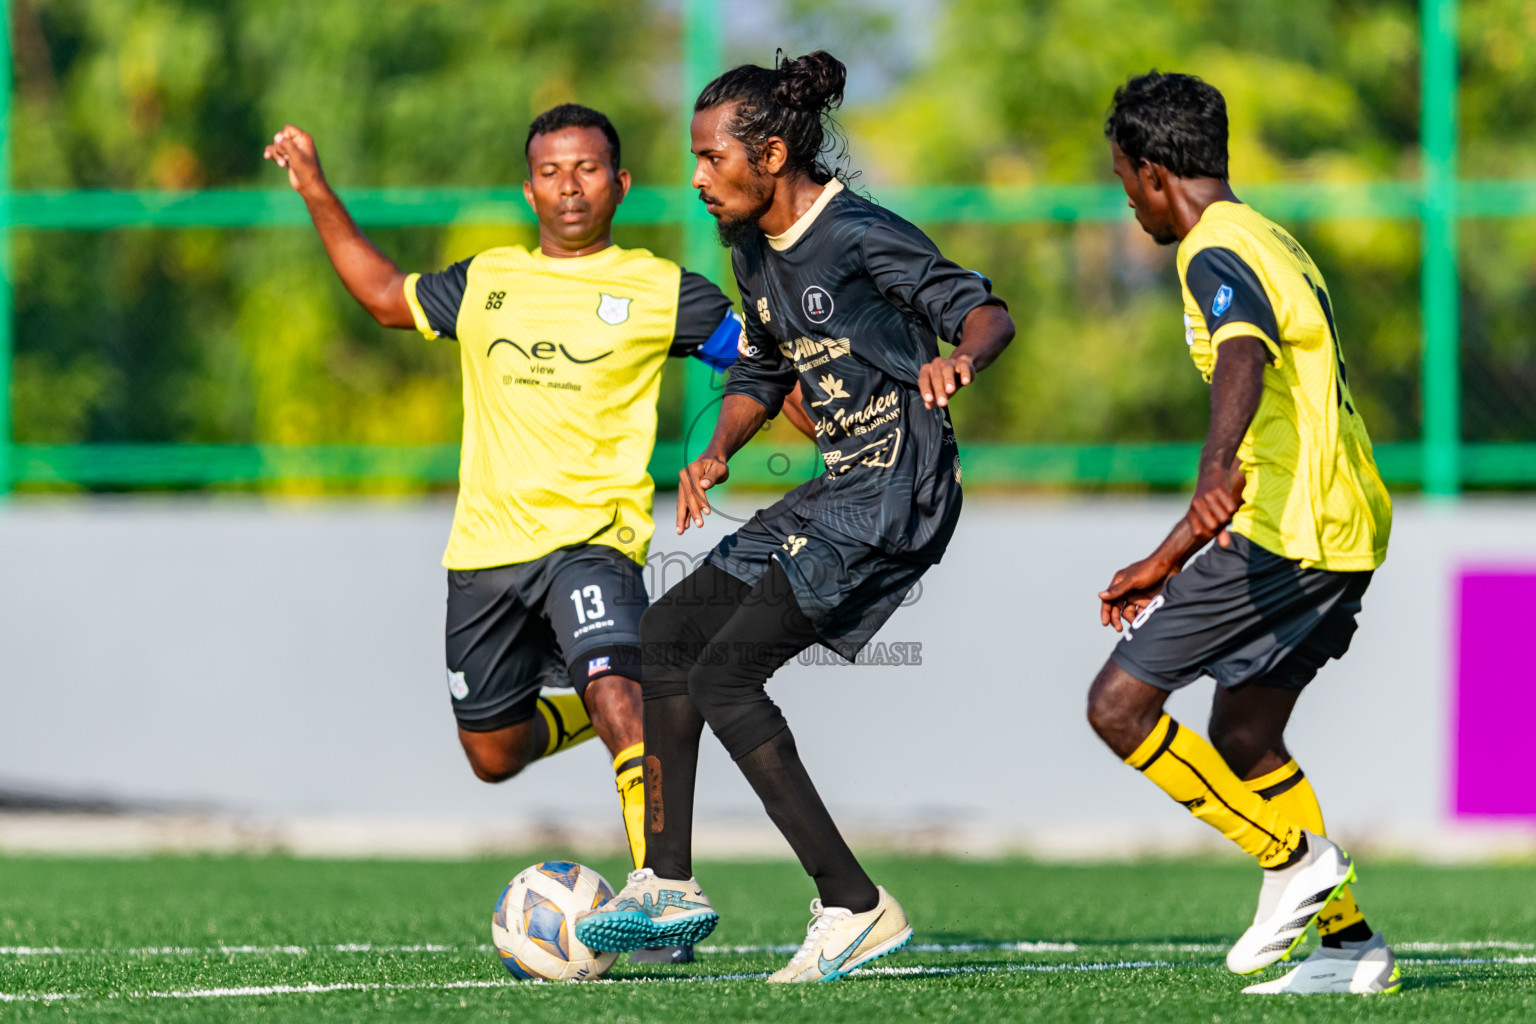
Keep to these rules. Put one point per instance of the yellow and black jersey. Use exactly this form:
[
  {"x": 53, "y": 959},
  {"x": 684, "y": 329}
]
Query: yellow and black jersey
[
  {"x": 1313, "y": 493},
  {"x": 562, "y": 363}
]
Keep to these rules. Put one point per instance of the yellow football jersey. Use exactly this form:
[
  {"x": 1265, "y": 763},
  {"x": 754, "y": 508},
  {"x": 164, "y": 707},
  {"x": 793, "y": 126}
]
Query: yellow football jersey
[
  {"x": 1313, "y": 493},
  {"x": 562, "y": 361}
]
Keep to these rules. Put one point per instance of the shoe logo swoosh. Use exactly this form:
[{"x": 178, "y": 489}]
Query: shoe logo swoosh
[{"x": 826, "y": 966}]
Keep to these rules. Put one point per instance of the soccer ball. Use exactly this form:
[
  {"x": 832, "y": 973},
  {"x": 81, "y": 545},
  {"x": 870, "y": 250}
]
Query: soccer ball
[{"x": 534, "y": 927}]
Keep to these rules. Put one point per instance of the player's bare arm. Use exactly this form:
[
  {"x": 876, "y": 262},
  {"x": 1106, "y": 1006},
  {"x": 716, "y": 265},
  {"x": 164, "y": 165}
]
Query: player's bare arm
[
  {"x": 794, "y": 411},
  {"x": 1236, "y": 387},
  {"x": 740, "y": 419},
  {"x": 987, "y": 331},
  {"x": 372, "y": 278}
]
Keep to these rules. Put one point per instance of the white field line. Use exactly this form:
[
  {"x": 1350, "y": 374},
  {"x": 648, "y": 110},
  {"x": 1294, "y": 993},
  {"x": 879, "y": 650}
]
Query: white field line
[
  {"x": 345, "y": 947},
  {"x": 913, "y": 971},
  {"x": 286, "y": 990},
  {"x": 1020, "y": 946}
]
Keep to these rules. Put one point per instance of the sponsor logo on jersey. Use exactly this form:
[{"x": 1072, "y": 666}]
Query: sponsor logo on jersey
[
  {"x": 885, "y": 408},
  {"x": 457, "y": 686},
  {"x": 793, "y": 544},
  {"x": 1223, "y": 301},
  {"x": 809, "y": 353},
  {"x": 545, "y": 350},
  {"x": 880, "y": 453},
  {"x": 1189, "y": 330},
  {"x": 596, "y": 665},
  {"x": 817, "y": 303},
  {"x": 762, "y": 310},
  {"x": 832, "y": 387},
  {"x": 612, "y": 309}
]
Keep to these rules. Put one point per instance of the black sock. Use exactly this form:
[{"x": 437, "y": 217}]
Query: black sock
[
  {"x": 672, "y": 728},
  {"x": 781, "y": 781},
  {"x": 1357, "y": 932},
  {"x": 673, "y": 635}
]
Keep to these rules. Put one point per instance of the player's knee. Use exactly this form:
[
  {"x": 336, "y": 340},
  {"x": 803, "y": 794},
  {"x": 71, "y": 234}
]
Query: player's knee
[
  {"x": 1104, "y": 717},
  {"x": 1242, "y": 745},
  {"x": 493, "y": 762},
  {"x": 703, "y": 688},
  {"x": 1119, "y": 712}
]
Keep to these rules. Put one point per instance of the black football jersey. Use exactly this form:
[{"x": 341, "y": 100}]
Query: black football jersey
[{"x": 852, "y": 302}]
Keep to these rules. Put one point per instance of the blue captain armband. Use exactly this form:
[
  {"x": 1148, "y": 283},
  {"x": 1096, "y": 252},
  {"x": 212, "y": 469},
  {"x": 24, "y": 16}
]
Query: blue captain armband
[{"x": 719, "y": 352}]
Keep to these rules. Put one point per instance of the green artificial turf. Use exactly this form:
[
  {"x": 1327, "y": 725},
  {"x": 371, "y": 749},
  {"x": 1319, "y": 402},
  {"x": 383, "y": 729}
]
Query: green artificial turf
[{"x": 1142, "y": 943}]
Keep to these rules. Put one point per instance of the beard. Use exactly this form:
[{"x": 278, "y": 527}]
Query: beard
[{"x": 733, "y": 230}]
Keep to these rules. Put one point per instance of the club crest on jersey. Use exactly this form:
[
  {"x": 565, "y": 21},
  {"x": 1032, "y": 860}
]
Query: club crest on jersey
[
  {"x": 817, "y": 303},
  {"x": 611, "y": 309},
  {"x": 1223, "y": 300}
]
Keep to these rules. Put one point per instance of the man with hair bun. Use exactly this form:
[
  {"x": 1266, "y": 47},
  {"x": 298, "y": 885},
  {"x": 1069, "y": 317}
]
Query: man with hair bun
[
  {"x": 562, "y": 350},
  {"x": 848, "y": 301},
  {"x": 1289, "y": 492}
]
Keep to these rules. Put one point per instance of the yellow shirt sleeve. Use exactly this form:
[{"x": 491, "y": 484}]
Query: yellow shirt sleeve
[{"x": 417, "y": 313}]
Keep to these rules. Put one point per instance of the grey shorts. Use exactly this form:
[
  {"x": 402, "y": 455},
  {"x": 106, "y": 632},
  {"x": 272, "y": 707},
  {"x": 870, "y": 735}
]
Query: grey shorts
[
  {"x": 1243, "y": 615},
  {"x": 566, "y": 619}
]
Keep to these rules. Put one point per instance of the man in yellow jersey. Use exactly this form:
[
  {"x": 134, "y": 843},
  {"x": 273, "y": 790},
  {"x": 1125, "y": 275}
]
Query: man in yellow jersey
[
  {"x": 1289, "y": 492},
  {"x": 562, "y": 351}
]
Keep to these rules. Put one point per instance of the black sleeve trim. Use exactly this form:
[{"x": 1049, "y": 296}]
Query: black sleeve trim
[
  {"x": 700, "y": 308},
  {"x": 1227, "y": 291},
  {"x": 441, "y": 295}
]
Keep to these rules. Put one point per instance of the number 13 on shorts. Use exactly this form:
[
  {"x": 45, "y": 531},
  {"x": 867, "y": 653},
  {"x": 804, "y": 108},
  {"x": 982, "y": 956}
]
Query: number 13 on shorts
[{"x": 589, "y": 603}]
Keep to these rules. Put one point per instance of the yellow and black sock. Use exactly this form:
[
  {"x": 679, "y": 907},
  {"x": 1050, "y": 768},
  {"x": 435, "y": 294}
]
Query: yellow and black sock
[
  {"x": 1288, "y": 789},
  {"x": 629, "y": 776},
  {"x": 1188, "y": 769},
  {"x": 565, "y": 717}
]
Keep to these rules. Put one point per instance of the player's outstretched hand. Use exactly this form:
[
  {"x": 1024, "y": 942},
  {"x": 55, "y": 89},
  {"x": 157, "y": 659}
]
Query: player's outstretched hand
[
  {"x": 696, "y": 478},
  {"x": 1217, "y": 498},
  {"x": 1132, "y": 589},
  {"x": 294, "y": 149},
  {"x": 942, "y": 377}
]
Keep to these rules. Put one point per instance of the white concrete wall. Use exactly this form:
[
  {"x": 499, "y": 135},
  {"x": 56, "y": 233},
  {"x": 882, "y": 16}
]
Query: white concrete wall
[{"x": 279, "y": 660}]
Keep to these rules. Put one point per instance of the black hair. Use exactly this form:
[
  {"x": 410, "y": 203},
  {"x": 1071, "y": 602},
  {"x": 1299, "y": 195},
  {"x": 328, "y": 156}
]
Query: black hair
[
  {"x": 788, "y": 100},
  {"x": 1178, "y": 121},
  {"x": 574, "y": 115}
]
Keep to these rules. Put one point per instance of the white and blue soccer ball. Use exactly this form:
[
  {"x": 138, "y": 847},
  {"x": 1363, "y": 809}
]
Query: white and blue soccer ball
[{"x": 534, "y": 926}]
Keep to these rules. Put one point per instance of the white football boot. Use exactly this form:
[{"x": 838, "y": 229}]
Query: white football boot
[
  {"x": 839, "y": 941},
  {"x": 1289, "y": 901},
  {"x": 1367, "y": 970},
  {"x": 648, "y": 912}
]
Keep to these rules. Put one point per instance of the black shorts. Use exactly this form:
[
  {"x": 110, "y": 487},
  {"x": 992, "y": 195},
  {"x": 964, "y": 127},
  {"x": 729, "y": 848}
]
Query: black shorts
[
  {"x": 1243, "y": 614},
  {"x": 562, "y": 620},
  {"x": 845, "y": 587}
]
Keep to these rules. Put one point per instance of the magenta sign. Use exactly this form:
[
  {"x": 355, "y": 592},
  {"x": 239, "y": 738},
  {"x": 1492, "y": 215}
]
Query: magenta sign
[{"x": 1496, "y": 693}]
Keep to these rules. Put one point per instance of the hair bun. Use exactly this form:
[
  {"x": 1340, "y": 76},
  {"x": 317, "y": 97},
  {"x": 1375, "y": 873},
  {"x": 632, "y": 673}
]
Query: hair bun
[{"x": 812, "y": 82}]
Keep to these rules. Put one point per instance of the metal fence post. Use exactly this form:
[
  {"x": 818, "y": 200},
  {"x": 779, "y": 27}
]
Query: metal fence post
[
  {"x": 701, "y": 253},
  {"x": 7, "y": 473},
  {"x": 1440, "y": 295}
]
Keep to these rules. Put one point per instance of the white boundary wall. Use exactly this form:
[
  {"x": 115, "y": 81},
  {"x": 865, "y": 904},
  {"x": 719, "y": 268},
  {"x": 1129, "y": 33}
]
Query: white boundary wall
[{"x": 280, "y": 666}]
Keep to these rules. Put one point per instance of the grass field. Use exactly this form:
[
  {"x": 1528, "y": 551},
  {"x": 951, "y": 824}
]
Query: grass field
[{"x": 295, "y": 940}]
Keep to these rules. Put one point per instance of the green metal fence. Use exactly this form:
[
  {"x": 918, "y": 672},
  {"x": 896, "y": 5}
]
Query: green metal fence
[{"x": 1439, "y": 462}]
